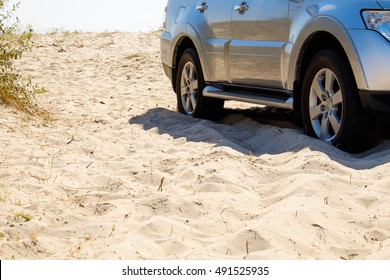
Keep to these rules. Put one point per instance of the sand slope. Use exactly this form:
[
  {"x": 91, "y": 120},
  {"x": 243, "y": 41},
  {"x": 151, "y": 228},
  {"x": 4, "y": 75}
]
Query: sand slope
[{"x": 119, "y": 174}]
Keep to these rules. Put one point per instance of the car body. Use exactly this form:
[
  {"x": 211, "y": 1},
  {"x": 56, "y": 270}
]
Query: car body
[{"x": 326, "y": 60}]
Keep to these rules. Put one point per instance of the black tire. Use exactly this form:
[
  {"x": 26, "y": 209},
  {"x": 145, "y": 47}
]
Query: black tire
[
  {"x": 189, "y": 89},
  {"x": 331, "y": 107}
]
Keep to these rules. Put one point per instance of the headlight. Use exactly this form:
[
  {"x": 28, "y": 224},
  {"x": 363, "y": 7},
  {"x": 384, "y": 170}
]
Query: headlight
[{"x": 378, "y": 21}]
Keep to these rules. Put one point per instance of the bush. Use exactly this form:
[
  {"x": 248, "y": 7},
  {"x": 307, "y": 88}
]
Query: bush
[{"x": 15, "y": 90}]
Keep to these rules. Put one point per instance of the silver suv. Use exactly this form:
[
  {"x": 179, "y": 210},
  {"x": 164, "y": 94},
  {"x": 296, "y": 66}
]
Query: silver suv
[{"x": 327, "y": 60}]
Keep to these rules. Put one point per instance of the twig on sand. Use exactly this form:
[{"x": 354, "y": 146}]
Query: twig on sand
[
  {"x": 70, "y": 141},
  {"x": 320, "y": 227},
  {"x": 97, "y": 205},
  {"x": 317, "y": 225},
  {"x": 160, "y": 188},
  {"x": 112, "y": 230}
]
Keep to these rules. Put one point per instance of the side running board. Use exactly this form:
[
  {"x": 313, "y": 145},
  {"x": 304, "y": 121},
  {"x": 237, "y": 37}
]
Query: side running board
[{"x": 262, "y": 99}]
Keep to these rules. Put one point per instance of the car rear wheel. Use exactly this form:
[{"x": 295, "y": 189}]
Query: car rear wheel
[
  {"x": 189, "y": 89},
  {"x": 331, "y": 106}
]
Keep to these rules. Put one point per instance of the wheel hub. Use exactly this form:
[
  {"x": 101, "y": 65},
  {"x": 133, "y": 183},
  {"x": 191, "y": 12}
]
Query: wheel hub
[
  {"x": 328, "y": 104},
  {"x": 189, "y": 88},
  {"x": 325, "y": 102}
]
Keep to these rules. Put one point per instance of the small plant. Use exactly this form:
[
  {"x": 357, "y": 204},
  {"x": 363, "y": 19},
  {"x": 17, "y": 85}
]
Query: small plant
[
  {"x": 15, "y": 90},
  {"x": 22, "y": 215},
  {"x": 17, "y": 201},
  {"x": 4, "y": 194},
  {"x": 112, "y": 230},
  {"x": 79, "y": 44}
]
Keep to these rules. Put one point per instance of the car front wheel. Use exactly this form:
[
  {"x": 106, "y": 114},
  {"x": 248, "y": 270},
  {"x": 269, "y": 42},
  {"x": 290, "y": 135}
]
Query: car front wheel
[{"x": 331, "y": 106}]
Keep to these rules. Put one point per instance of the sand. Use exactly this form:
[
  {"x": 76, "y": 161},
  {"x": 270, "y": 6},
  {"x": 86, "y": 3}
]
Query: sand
[{"x": 119, "y": 174}]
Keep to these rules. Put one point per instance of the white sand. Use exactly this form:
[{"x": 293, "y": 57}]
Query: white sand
[{"x": 233, "y": 189}]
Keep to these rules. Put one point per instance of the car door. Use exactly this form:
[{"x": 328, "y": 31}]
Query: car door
[
  {"x": 212, "y": 22},
  {"x": 260, "y": 31}
]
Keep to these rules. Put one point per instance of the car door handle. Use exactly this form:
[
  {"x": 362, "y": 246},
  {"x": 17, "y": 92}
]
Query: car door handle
[
  {"x": 202, "y": 7},
  {"x": 242, "y": 8}
]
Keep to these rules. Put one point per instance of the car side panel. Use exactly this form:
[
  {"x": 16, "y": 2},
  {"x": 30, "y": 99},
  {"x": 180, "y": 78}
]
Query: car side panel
[{"x": 259, "y": 37}]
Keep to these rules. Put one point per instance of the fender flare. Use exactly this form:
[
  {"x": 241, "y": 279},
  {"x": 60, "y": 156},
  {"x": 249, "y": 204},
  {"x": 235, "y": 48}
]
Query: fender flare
[{"x": 333, "y": 27}]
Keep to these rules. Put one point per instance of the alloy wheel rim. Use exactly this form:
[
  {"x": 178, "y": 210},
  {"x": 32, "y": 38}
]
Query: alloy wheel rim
[
  {"x": 326, "y": 105},
  {"x": 189, "y": 88}
]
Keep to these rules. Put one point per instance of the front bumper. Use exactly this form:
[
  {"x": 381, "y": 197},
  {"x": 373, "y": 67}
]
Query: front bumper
[
  {"x": 374, "y": 64},
  {"x": 373, "y": 52}
]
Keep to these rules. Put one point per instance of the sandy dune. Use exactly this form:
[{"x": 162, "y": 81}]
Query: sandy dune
[{"x": 119, "y": 174}]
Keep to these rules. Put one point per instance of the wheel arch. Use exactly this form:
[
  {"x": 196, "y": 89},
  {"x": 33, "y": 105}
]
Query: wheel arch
[
  {"x": 188, "y": 40},
  {"x": 321, "y": 33}
]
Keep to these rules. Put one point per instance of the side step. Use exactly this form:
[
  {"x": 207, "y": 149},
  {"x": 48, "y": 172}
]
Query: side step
[{"x": 278, "y": 102}]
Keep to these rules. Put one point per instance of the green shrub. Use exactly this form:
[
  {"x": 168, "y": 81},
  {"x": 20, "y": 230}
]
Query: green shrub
[{"x": 15, "y": 90}]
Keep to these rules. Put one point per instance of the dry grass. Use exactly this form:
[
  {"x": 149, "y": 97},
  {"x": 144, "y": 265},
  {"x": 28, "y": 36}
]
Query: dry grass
[
  {"x": 135, "y": 56},
  {"x": 24, "y": 106}
]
